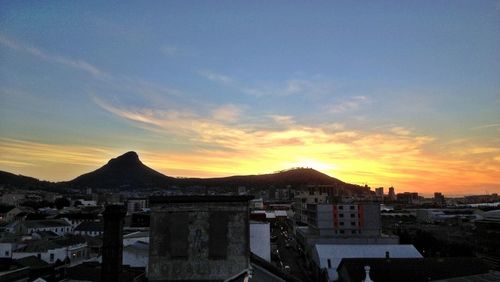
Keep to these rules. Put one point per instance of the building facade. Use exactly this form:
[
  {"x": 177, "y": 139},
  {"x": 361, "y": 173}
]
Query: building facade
[{"x": 199, "y": 238}]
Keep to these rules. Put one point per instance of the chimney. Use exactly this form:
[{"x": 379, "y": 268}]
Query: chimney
[
  {"x": 367, "y": 272},
  {"x": 112, "y": 245}
]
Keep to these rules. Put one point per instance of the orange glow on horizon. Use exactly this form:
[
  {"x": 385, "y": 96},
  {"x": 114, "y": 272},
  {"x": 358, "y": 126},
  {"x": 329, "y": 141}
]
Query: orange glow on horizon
[{"x": 375, "y": 159}]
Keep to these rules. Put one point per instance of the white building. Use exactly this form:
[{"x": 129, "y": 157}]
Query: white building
[
  {"x": 260, "y": 239},
  {"x": 71, "y": 249},
  {"x": 137, "y": 254},
  {"x": 58, "y": 226},
  {"x": 6, "y": 249},
  {"x": 329, "y": 256}
]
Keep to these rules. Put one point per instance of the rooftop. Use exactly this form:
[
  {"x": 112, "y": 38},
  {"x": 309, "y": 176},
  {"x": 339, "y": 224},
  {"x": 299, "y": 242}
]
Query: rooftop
[
  {"x": 44, "y": 223},
  {"x": 199, "y": 199},
  {"x": 90, "y": 226},
  {"x": 411, "y": 269}
]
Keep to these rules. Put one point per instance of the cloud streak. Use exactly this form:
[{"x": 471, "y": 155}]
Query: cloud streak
[
  {"x": 350, "y": 104},
  {"x": 68, "y": 62},
  {"x": 395, "y": 155}
]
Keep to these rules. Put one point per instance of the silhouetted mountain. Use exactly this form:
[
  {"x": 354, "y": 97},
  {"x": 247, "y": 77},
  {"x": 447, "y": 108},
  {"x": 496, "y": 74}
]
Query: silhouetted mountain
[
  {"x": 8, "y": 179},
  {"x": 14, "y": 179},
  {"x": 125, "y": 171},
  {"x": 295, "y": 177},
  {"x": 128, "y": 172}
]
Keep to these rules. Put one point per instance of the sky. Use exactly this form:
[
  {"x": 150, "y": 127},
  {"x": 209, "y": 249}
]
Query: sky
[{"x": 384, "y": 93}]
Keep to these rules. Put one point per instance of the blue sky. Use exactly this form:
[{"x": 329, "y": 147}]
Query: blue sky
[{"x": 156, "y": 77}]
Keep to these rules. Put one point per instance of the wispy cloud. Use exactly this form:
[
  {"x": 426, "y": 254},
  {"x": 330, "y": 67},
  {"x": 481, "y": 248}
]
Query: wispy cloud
[
  {"x": 68, "y": 62},
  {"x": 485, "y": 126},
  {"x": 393, "y": 155},
  {"x": 227, "y": 112},
  {"x": 62, "y": 162},
  {"x": 216, "y": 77},
  {"x": 314, "y": 86},
  {"x": 350, "y": 104},
  {"x": 400, "y": 131}
]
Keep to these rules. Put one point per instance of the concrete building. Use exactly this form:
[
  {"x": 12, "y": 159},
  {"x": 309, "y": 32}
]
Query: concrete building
[
  {"x": 136, "y": 204},
  {"x": 344, "y": 219},
  {"x": 72, "y": 249},
  {"x": 439, "y": 198},
  {"x": 303, "y": 198},
  {"x": 257, "y": 204},
  {"x": 199, "y": 238},
  {"x": 451, "y": 269},
  {"x": 408, "y": 198},
  {"x": 379, "y": 193},
  {"x": 76, "y": 218},
  {"x": 328, "y": 257},
  {"x": 391, "y": 195},
  {"x": 89, "y": 228},
  {"x": 342, "y": 224}
]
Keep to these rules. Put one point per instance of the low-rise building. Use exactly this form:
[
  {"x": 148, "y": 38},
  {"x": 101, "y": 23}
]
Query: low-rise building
[
  {"x": 58, "y": 226},
  {"x": 328, "y": 257},
  {"x": 70, "y": 249},
  {"x": 89, "y": 228}
]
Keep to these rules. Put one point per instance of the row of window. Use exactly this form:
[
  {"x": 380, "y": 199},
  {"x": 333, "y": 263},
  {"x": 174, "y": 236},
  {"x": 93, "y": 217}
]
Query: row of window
[
  {"x": 353, "y": 215},
  {"x": 344, "y": 231},
  {"x": 352, "y": 223},
  {"x": 350, "y": 207}
]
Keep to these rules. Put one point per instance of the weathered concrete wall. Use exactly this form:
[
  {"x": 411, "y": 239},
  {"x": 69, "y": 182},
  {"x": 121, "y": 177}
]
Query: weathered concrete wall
[{"x": 198, "y": 241}]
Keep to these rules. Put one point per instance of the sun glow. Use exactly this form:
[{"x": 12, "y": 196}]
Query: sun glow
[{"x": 314, "y": 164}]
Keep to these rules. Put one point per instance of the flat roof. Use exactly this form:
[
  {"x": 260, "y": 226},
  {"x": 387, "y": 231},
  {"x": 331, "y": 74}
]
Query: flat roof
[{"x": 199, "y": 199}]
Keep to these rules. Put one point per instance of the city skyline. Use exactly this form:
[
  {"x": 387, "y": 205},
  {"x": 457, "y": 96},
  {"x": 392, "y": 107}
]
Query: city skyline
[{"x": 388, "y": 94}]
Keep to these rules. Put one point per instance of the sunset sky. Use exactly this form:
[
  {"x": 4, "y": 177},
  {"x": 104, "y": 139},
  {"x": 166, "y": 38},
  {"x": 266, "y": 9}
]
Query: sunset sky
[{"x": 388, "y": 93}]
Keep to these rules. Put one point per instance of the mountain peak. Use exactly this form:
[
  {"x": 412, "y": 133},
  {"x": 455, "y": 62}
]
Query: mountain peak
[
  {"x": 127, "y": 159},
  {"x": 123, "y": 171}
]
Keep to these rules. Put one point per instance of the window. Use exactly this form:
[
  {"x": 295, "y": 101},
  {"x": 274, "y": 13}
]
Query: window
[
  {"x": 352, "y": 215},
  {"x": 353, "y": 232},
  {"x": 341, "y": 207},
  {"x": 6, "y": 253},
  {"x": 341, "y": 215},
  {"x": 217, "y": 235},
  {"x": 341, "y": 223},
  {"x": 39, "y": 256},
  {"x": 351, "y": 207},
  {"x": 51, "y": 257},
  {"x": 353, "y": 223},
  {"x": 329, "y": 263},
  {"x": 341, "y": 231},
  {"x": 178, "y": 233}
]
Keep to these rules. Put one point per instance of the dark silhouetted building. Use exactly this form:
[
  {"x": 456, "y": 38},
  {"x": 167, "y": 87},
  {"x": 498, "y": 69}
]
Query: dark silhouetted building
[
  {"x": 112, "y": 246},
  {"x": 199, "y": 238}
]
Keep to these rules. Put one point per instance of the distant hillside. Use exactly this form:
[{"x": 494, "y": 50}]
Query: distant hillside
[
  {"x": 14, "y": 179},
  {"x": 294, "y": 177},
  {"x": 128, "y": 172},
  {"x": 125, "y": 171},
  {"x": 8, "y": 179}
]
